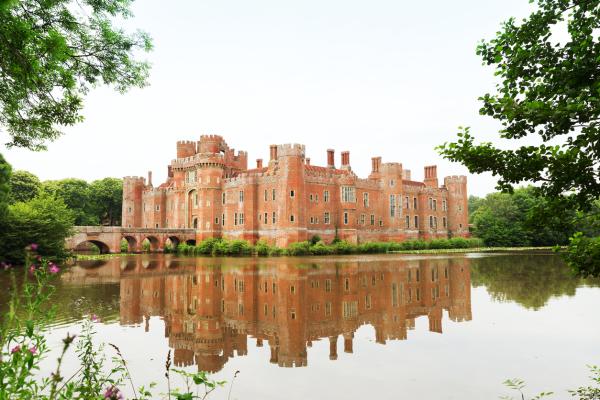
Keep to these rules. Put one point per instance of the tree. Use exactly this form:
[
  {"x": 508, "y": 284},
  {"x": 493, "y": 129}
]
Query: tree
[
  {"x": 5, "y": 173},
  {"x": 549, "y": 91},
  {"x": 44, "y": 220},
  {"x": 24, "y": 186},
  {"x": 107, "y": 197},
  {"x": 77, "y": 196},
  {"x": 52, "y": 53}
]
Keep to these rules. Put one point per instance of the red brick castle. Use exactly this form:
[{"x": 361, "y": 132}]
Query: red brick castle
[{"x": 210, "y": 189}]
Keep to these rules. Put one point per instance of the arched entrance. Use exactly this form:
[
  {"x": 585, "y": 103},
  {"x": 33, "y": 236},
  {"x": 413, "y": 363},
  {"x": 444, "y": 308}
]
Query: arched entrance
[
  {"x": 150, "y": 244},
  {"x": 92, "y": 246},
  {"x": 132, "y": 244}
]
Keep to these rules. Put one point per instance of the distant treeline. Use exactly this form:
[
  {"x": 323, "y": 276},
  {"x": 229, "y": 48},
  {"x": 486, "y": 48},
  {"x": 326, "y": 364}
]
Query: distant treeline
[
  {"x": 523, "y": 218},
  {"x": 44, "y": 213}
]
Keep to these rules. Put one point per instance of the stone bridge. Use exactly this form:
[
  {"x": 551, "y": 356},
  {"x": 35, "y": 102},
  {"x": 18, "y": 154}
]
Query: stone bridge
[{"x": 108, "y": 238}]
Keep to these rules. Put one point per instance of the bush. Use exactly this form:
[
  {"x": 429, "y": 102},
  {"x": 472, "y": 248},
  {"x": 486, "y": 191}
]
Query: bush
[
  {"x": 206, "y": 246},
  {"x": 320, "y": 249},
  {"x": 124, "y": 246},
  {"x": 262, "y": 248},
  {"x": 439, "y": 244},
  {"x": 299, "y": 249},
  {"x": 239, "y": 248},
  {"x": 44, "y": 220},
  {"x": 344, "y": 247},
  {"x": 315, "y": 239}
]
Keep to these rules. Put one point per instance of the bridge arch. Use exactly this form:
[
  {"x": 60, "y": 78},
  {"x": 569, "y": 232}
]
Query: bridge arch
[
  {"x": 154, "y": 243},
  {"x": 103, "y": 247},
  {"x": 173, "y": 241},
  {"x": 132, "y": 244}
]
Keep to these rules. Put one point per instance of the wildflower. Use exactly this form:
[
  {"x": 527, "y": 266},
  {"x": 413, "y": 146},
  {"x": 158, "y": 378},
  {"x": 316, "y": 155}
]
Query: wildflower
[
  {"x": 69, "y": 339},
  {"x": 39, "y": 258},
  {"x": 33, "y": 349},
  {"x": 15, "y": 349},
  {"x": 32, "y": 268},
  {"x": 113, "y": 393},
  {"x": 53, "y": 268},
  {"x": 33, "y": 246},
  {"x": 95, "y": 318}
]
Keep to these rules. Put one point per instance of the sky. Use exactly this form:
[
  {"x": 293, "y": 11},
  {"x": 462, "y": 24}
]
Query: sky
[{"x": 389, "y": 78}]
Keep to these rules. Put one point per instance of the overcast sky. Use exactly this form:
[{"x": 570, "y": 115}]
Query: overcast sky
[{"x": 389, "y": 78}]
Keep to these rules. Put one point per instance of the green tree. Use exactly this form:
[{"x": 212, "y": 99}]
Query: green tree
[
  {"x": 52, "y": 53},
  {"x": 107, "y": 197},
  {"x": 44, "y": 220},
  {"x": 5, "y": 173},
  {"x": 76, "y": 194},
  {"x": 24, "y": 186},
  {"x": 548, "y": 93}
]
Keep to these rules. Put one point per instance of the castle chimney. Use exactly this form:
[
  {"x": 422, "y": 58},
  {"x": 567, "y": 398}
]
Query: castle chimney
[
  {"x": 348, "y": 337},
  {"x": 333, "y": 347},
  {"x": 149, "y": 178},
  {"x": 345, "y": 159},
  {"x": 170, "y": 171},
  {"x": 375, "y": 163},
  {"x": 308, "y": 161},
  {"x": 273, "y": 153},
  {"x": 330, "y": 158},
  {"x": 431, "y": 179},
  {"x": 259, "y": 163}
]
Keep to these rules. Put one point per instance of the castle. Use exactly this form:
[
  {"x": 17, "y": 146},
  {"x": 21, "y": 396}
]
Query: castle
[{"x": 210, "y": 189}]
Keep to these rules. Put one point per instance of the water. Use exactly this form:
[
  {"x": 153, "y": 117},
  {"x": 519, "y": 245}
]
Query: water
[{"x": 353, "y": 327}]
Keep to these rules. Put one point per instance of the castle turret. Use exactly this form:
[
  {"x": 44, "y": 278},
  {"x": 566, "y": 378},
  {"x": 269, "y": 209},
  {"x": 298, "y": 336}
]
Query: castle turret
[
  {"x": 458, "y": 209},
  {"x": 186, "y": 148},
  {"x": 133, "y": 186}
]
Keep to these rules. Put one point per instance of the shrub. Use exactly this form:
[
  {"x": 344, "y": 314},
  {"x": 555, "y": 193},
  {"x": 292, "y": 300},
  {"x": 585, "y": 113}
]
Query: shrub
[
  {"x": 344, "y": 247},
  {"x": 124, "y": 245},
  {"x": 439, "y": 244},
  {"x": 262, "y": 248},
  {"x": 238, "y": 248},
  {"x": 220, "y": 248},
  {"x": 321, "y": 248},
  {"x": 459, "y": 243},
  {"x": 315, "y": 239},
  {"x": 299, "y": 249},
  {"x": 206, "y": 246},
  {"x": 419, "y": 245}
]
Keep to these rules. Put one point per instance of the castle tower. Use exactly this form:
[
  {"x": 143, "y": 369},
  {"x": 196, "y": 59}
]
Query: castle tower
[
  {"x": 431, "y": 179},
  {"x": 458, "y": 206},
  {"x": 133, "y": 186},
  {"x": 292, "y": 207}
]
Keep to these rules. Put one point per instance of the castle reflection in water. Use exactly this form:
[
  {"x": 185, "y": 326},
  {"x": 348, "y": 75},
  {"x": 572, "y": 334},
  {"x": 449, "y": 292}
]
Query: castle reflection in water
[{"x": 211, "y": 306}]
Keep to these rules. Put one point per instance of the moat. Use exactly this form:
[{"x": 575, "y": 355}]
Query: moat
[{"x": 351, "y": 327}]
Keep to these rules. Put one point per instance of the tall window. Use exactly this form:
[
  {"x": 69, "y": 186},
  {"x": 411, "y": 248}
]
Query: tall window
[
  {"x": 241, "y": 196},
  {"x": 273, "y": 217},
  {"x": 326, "y": 196},
  {"x": 407, "y": 222},
  {"x": 430, "y": 203},
  {"x": 445, "y": 224},
  {"x": 223, "y": 219},
  {"x": 266, "y": 218},
  {"x": 345, "y": 218},
  {"x": 414, "y": 203},
  {"x": 273, "y": 194},
  {"x": 444, "y": 205},
  {"x": 392, "y": 205},
  {"x": 292, "y": 218},
  {"x": 265, "y": 194},
  {"x": 326, "y": 218},
  {"x": 372, "y": 219},
  {"x": 431, "y": 221},
  {"x": 416, "y": 225},
  {"x": 362, "y": 219},
  {"x": 235, "y": 218},
  {"x": 406, "y": 203},
  {"x": 241, "y": 219},
  {"x": 434, "y": 205},
  {"x": 292, "y": 193},
  {"x": 348, "y": 194},
  {"x": 366, "y": 199},
  {"x": 223, "y": 196}
]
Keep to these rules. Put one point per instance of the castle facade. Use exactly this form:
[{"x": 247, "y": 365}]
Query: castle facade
[{"x": 210, "y": 189}]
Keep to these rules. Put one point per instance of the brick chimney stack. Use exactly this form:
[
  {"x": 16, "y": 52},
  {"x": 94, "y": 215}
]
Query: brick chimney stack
[
  {"x": 330, "y": 158},
  {"x": 375, "y": 163},
  {"x": 149, "y": 178},
  {"x": 431, "y": 179},
  {"x": 273, "y": 153},
  {"x": 259, "y": 163},
  {"x": 346, "y": 159}
]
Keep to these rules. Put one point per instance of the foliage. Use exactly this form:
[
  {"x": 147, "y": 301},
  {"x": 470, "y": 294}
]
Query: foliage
[
  {"x": 548, "y": 92},
  {"x": 52, "y": 54},
  {"x": 43, "y": 220},
  {"x": 146, "y": 246},
  {"x": 5, "y": 173},
  {"x": 581, "y": 393},
  {"x": 518, "y": 385},
  {"x": 107, "y": 197},
  {"x": 583, "y": 254},
  {"x": 77, "y": 196},
  {"x": 24, "y": 186},
  {"x": 124, "y": 246}
]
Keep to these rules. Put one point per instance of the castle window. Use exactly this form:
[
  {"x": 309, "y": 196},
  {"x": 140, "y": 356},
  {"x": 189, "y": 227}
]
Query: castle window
[
  {"x": 368, "y": 302},
  {"x": 392, "y": 183},
  {"x": 311, "y": 197},
  {"x": 312, "y": 220},
  {"x": 394, "y": 295},
  {"x": 195, "y": 223},
  {"x": 460, "y": 226},
  {"x": 444, "y": 223},
  {"x": 129, "y": 210},
  {"x": 144, "y": 206},
  {"x": 431, "y": 221},
  {"x": 406, "y": 203},
  {"x": 274, "y": 287},
  {"x": 418, "y": 294},
  {"x": 316, "y": 220},
  {"x": 328, "y": 285},
  {"x": 392, "y": 205},
  {"x": 316, "y": 198},
  {"x": 293, "y": 314},
  {"x": 223, "y": 219},
  {"x": 415, "y": 203},
  {"x": 430, "y": 203},
  {"x": 418, "y": 275},
  {"x": 292, "y": 289},
  {"x": 444, "y": 205},
  {"x": 435, "y": 222},
  {"x": 345, "y": 218},
  {"x": 266, "y": 218},
  {"x": 265, "y": 194},
  {"x": 407, "y": 222},
  {"x": 260, "y": 216},
  {"x": 366, "y": 199},
  {"x": 223, "y": 195},
  {"x": 156, "y": 225},
  {"x": 292, "y": 194},
  {"x": 207, "y": 203},
  {"x": 292, "y": 218},
  {"x": 460, "y": 208},
  {"x": 241, "y": 196},
  {"x": 195, "y": 199},
  {"x": 273, "y": 217},
  {"x": 380, "y": 222},
  {"x": 347, "y": 284},
  {"x": 328, "y": 309},
  {"x": 235, "y": 218},
  {"x": 434, "y": 205},
  {"x": 157, "y": 207},
  {"x": 217, "y": 221},
  {"x": 362, "y": 219},
  {"x": 273, "y": 194},
  {"x": 266, "y": 307},
  {"x": 372, "y": 219},
  {"x": 348, "y": 194},
  {"x": 326, "y": 196},
  {"x": 416, "y": 221},
  {"x": 326, "y": 218}
]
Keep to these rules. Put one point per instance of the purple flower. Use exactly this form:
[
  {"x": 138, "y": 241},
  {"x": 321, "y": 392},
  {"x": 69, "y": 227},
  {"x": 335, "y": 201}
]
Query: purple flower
[
  {"x": 33, "y": 349},
  {"x": 113, "y": 393},
  {"x": 39, "y": 258},
  {"x": 53, "y": 268},
  {"x": 32, "y": 268},
  {"x": 94, "y": 318},
  {"x": 33, "y": 246},
  {"x": 15, "y": 349}
]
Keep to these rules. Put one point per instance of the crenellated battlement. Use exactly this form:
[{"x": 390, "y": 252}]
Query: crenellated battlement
[
  {"x": 290, "y": 149},
  {"x": 455, "y": 179},
  {"x": 211, "y": 137}
]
